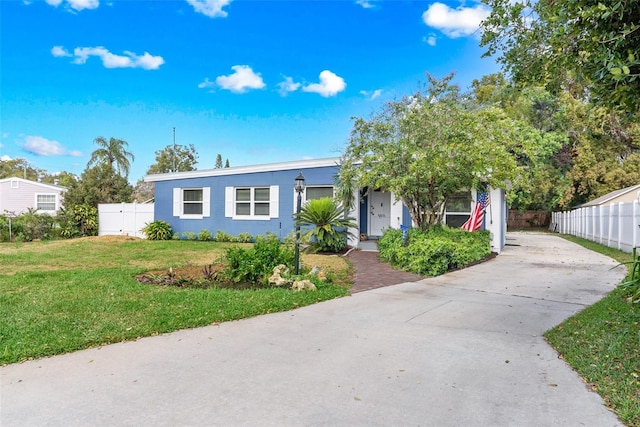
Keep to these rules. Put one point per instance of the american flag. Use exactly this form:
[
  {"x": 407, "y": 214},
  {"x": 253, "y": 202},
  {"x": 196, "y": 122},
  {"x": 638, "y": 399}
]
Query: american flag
[{"x": 477, "y": 216}]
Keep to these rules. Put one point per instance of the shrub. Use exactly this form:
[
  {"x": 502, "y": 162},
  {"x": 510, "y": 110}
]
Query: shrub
[
  {"x": 221, "y": 236},
  {"x": 158, "y": 230},
  {"x": 78, "y": 221},
  {"x": 255, "y": 264},
  {"x": 244, "y": 238},
  {"x": 330, "y": 225},
  {"x": 190, "y": 235},
  {"x": 433, "y": 252},
  {"x": 205, "y": 235}
]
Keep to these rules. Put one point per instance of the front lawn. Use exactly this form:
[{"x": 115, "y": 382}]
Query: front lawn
[
  {"x": 61, "y": 296},
  {"x": 602, "y": 343}
]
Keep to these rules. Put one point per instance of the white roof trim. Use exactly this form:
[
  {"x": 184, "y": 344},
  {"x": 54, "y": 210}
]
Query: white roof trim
[
  {"x": 41, "y": 184},
  {"x": 238, "y": 170}
]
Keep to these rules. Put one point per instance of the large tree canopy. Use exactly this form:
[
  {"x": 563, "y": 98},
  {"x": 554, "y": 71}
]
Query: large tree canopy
[
  {"x": 582, "y": 151},
  {"x": 431, "y": 145},
  {"x": 99, "y": 184},
  {"x": 175, "y": 158},
  {"x": 570, "y": 44},
  {"x": 113, "y": 151}
]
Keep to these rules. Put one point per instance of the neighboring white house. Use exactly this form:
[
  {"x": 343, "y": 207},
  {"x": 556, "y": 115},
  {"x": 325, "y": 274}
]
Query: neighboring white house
[{"x": 18, "y": 195}]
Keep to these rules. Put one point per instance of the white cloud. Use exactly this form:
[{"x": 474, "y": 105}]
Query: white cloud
[
  {"x": 210, "y": 8},
  {"x": 459, "y": 22},
  {"x": 206, "y": 84},
  {"x": 330, "y": 84},
  {"x": 43, "y": 147},
  {"x": 430, "y": 39},
  {"x": 371, "y": 95},
  {"x": 367, "y": 4},
  {"x": 242, "y": 80},
  {"x": 76, "y": 5},
  {"x": 110, "y": 60},
  {"x": 5, "y": 158},
  {"x": 288, "y": 85},
  {"x": 59, "y": 51}
]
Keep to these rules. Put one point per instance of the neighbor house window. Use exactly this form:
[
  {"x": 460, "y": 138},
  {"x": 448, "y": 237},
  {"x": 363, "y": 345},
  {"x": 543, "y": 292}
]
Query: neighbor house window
[
  {"x": 458, "y": 209},
  {"x": 46, "y": 202},
  {"x": 251, "y": 202},
  {"x": 191, "y": 203}
]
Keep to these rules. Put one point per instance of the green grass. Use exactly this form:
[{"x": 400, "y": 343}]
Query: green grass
[
  {"x": 602, "y": 343},
  {"x": 57, "y": 297}
]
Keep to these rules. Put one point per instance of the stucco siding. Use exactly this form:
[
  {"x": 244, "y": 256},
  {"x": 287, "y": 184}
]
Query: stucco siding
[{"x": 281, "y": 225}]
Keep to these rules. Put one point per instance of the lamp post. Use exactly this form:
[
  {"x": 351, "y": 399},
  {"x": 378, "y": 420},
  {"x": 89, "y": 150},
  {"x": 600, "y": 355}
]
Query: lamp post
[{"x": 299, "y": 186}]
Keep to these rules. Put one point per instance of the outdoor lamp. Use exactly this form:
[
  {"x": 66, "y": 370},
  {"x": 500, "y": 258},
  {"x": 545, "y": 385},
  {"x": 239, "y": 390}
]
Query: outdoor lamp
[{"x": 298, "y": 185}]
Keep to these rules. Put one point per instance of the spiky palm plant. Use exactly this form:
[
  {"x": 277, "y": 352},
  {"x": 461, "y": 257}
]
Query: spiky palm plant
[{"x": 330, "y": 227}]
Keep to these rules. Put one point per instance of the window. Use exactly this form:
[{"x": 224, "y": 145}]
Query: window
[
  {"x": 458, "y": 209},
  {"x": 15, "y": 183},
  {"x": 251, "y": 202},
  {"x": 191, "y": 203},
  {"x": 312, "y": 193},
  {"x": 46, "y": 202}
]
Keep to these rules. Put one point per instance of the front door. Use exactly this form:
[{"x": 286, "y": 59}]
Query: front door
[{"x": 379, "y": 212}]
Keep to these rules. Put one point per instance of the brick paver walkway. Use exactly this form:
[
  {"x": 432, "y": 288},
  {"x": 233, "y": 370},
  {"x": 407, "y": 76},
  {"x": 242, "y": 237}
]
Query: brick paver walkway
[{"x": 371, "y": 273}]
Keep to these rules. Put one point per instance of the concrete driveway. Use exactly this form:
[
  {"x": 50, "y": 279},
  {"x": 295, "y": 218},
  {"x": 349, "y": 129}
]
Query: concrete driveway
[{"x": 463, "y": 349}]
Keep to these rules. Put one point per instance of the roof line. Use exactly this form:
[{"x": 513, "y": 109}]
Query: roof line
[{"x": 237, "y": 170}]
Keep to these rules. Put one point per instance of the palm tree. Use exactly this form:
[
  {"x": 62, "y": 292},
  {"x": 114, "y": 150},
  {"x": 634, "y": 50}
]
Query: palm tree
[
  {"x": 329, "y": 226},
  {"x": 110, "y": 152}
]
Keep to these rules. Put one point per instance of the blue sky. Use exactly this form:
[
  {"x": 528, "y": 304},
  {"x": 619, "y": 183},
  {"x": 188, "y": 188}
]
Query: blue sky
[{"x": 257, "y": 81}]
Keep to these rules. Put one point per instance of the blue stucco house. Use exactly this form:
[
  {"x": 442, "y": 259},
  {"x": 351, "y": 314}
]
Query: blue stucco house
[{"x": 261, "y": 199}]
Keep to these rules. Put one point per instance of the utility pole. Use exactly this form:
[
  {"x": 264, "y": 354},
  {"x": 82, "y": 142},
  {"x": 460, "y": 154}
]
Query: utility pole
[{"x": 174, "y": 150}]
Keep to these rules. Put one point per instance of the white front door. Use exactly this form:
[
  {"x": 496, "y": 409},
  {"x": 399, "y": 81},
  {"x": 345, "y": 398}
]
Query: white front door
[{"x": 379, "y": 212}]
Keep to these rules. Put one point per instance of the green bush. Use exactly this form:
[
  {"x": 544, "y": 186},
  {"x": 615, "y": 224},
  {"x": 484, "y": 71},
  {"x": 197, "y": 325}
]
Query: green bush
[
  {"x": 205, "y": 235},
  {"x": 78, "y": 221},
  {"x": 255, "y": 264},
  {"x": 158, "y": 230},
  {"x": 244, "y": 238},
  {"x": 433, "y": 252},
  {"x": 221, "y": 236},
  {"x": 189, "y": 235}
]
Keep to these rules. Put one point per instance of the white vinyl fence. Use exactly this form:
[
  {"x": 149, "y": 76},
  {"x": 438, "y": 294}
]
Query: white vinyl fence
[
  {"x": 616, "y": 225},
  {"x": 124, "y": 219}
]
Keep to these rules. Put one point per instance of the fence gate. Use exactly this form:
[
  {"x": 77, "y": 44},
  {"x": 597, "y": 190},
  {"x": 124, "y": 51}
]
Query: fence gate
[{"x": 124, "y": 219}]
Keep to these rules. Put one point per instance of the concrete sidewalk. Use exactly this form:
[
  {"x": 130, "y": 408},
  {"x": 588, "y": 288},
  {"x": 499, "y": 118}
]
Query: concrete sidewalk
[{"x": 463, "y": 349}]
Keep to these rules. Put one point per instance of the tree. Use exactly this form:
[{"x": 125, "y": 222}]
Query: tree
[
  {"x": 226, "y": 164},
  {"x": 99, "y": 184},
  {"x": 218, "y": 161},
  {"x": 174, "y": 158},
  {"x": 19, "y": 168},
  {"x": 112, "y": 152},
  {"x": 143, "y": 191},
  {"x": 570, "y": 44},
  {"x": 429, "y": 146}
]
